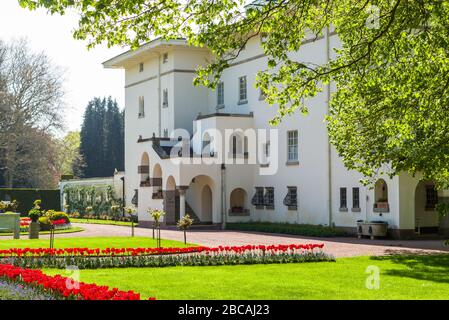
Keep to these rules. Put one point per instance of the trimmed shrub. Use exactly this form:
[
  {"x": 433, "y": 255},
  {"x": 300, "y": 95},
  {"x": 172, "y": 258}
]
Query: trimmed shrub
[
  {"x": 58, "y": 215},
  {"x": 307, "y": 230},
  {"x": 44, "y": 223},
  {"x": 51, "y": 199}
]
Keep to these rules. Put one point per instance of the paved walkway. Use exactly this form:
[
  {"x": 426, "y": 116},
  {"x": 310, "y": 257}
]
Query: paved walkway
[{"x": 339, "y": 247}]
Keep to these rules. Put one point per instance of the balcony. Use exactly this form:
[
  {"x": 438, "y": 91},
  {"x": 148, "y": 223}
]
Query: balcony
[
  {"x": 158, "y": 195},
  {"x": 381, "y": 206},
  {"x": 146, "y": 183},
  {"x": 238, "y": 211},
  {"x": 143, "y": 169}
]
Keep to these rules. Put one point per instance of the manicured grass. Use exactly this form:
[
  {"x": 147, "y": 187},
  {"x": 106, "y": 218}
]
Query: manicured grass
[
  {"x": 90, "y": 242},
  {"x": 71, "y": 230},
  {"x": 287, "y": 228},
  {"x": 97, "y": 221},
  {"x": 401, "y": 277}
]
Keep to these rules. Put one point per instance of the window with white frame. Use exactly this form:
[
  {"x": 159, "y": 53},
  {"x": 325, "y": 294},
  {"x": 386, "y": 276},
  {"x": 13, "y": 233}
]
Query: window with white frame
[
  {"x": 269, "y": 198},
  {"x": 356, "y": 198},
  {"x": 243, "y": 94},
  {"x": 220, "y": 95},
  {"x": 292, "y": 146},
  {"x": 257, "y": 199},
  {"x": 141, "y": 107},
  {"x": 165, "y": 98},
  {"x": 291, "y": 199},
  {"x": 165, "y": 58},
  {"x": 343, "y": 199}
]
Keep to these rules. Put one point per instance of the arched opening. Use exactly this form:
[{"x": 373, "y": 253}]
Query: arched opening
[
  {"x": 171, "y": 184},
  {"x": 144, "y": 170},
  {"x": 426, "y": 216},
  {"x": 206, "y": 204},
  {"x": 238, "y": 202},
  {"x": 170, "y": 200},
  {"x": 199, "y": 199},
  {"x": 156, "y": 182},
  {"x": 381, "y": 196}
]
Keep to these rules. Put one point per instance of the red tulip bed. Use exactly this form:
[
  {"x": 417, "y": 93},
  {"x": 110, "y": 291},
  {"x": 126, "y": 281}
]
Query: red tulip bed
[
  {"x": 85, "y": 258},
  {"x": 34, "y": 283}
]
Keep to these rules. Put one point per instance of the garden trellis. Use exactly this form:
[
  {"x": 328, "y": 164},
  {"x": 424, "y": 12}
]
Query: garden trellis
[{"x": 100, "y": 198}]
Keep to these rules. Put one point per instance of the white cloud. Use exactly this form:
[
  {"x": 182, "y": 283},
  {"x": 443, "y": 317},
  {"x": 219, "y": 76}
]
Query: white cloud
[{"x": 85, "y": 76}]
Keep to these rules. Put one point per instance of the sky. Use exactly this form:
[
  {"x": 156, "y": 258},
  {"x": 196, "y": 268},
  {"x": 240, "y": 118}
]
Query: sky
[{"x": 85, "y": 76}]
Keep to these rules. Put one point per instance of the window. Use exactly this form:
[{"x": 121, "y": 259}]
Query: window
[
  {"x": 141, "y": 107},
  {"x": 165, "y": 58},
  {"x": 220, "y": 95},
  {"x": 269, "y": 198},
  {"x": 242, "y": 90},
  {"x": 431, "y": 197},
  {"x": 141, "y": 67},
  {"x": 292, "y": 146},
  {"x": 257, "y": 199},
  {"x": 355, "y": 198},
  {"x": 291, "y": 199},
  {"x": 165, "y": 98},
  {"x": 343, "y": 200}
]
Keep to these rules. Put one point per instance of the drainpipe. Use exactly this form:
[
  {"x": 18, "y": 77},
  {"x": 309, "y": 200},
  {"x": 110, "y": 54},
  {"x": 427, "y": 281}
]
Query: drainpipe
[
  {"x": 223, "y": 196},
  {"x": 159, "y": 95},
  {"x": 329, "y": 150}
]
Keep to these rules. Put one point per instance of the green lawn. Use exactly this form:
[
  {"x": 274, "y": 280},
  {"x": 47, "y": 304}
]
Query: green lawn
[
  {"x": 91, "y": 242},
  {"x": 401, "y": 277},
  {"x": 97, "y": 221},
  {"x": 24, "y": 233}
]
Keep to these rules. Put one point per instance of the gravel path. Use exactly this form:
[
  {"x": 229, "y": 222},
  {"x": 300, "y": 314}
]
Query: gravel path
[{"x": 339, "y": 247}]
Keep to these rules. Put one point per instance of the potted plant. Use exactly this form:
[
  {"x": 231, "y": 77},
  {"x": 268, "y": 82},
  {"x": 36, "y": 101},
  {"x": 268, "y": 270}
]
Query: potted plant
[
  {"x": 34, "y": 215},
  {"x": 157, "y": 215},
  {"x": 131, "y": 211},
  {"x": 183, "y": 224}
]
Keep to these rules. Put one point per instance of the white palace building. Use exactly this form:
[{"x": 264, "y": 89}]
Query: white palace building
[{"x": 213, "y": 155}]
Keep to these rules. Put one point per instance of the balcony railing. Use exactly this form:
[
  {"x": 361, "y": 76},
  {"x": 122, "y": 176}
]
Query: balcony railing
[
  {"x": 143, "y": 169},
  {"x": 146, "y": 183},
  {"x": 238, "y": 211}
]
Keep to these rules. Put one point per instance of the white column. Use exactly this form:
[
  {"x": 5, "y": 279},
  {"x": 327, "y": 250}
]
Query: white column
[{"x": 182, "y": 203}]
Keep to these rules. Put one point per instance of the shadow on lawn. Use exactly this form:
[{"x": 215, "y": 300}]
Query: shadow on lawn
[{"x": 420, "y": 266}]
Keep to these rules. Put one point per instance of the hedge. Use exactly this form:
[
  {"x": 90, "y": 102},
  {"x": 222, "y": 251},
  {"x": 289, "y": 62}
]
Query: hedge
[
  {"x": 51, "y": 199},
  {"x": 307, "y": 230}
]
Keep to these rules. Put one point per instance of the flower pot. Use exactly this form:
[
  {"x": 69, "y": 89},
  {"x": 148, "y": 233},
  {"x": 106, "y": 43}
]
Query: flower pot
[
  {"x": 372, "y": 229},
  {"x": 34, "y": 230}
]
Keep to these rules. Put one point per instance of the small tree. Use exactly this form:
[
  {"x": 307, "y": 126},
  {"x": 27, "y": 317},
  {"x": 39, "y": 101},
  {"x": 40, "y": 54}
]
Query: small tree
[
  {"x": 183, "y": 224},
  {"x": 157, "y": 215},
  {"x": 131, "y": 211}
]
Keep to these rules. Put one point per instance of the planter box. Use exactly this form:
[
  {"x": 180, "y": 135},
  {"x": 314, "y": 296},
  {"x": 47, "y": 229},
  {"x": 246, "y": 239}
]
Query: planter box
[
  {"x": 11, "y": 222},
  {"x": 381, "y": 207},
  {"x": 372, "y": 229},
  {"x": 34, "y": 230}
]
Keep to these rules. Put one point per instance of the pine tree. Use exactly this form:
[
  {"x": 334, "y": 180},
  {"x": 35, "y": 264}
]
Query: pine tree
[{"x": 102, "y": 140}]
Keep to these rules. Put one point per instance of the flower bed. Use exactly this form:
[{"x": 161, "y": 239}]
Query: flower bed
[
  {"x": 35, "y": 282},
  {"x": 161, "y": 257}
]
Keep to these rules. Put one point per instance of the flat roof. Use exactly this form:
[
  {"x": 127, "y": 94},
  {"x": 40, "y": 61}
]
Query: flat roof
[{"x": 152, "y": 48}]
